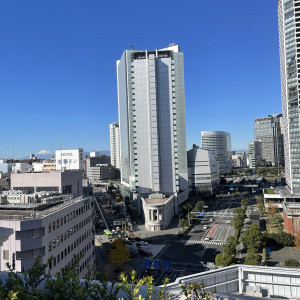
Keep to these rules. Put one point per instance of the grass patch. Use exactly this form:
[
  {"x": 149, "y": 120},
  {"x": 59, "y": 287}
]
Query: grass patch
[{"x": 269, "y": 191}]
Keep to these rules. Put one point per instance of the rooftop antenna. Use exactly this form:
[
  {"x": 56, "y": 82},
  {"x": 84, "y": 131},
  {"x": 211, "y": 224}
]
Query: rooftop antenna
[{"x": 133, "y": 47}]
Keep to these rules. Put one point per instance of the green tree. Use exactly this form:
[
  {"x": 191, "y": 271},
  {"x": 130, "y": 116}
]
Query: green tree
[
  {"x": 239, "y": 212},
  {"x": 119, "y": 254},
  {"x": 199, "y": 205},
  {"x": 195, "y": 291},
  {"x": 291, "y": 263},
  {"x": 224, "y": 260},
  {"x": 245, "y": 203},
  {"x": 230, "y": 247},
  {"x": 237, "y": 222},
  {"x": 253, "y": 238},
  {"x": 253, "y": 258}
]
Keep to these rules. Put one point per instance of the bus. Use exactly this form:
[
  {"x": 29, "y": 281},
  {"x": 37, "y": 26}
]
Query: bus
[{"x": 108, "y": 234}]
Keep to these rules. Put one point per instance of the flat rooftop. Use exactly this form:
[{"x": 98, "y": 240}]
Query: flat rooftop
[
  {"x": 34, "y": 211},
  {"x": 157, "y": 201}
]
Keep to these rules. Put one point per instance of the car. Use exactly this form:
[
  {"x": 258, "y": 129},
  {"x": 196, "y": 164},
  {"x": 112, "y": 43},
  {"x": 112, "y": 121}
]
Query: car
[
  {"x": 207, "y": 238},
  {"x": 204, "y": 226},
  {"x": 210, "y": 220}
]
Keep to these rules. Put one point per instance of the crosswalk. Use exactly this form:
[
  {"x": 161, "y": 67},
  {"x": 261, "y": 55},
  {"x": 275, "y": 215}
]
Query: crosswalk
[{"x": 202, "y": 242}]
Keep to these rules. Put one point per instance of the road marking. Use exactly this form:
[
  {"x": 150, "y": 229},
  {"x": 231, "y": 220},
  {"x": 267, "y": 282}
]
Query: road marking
[{"x": 202, "y": 242}]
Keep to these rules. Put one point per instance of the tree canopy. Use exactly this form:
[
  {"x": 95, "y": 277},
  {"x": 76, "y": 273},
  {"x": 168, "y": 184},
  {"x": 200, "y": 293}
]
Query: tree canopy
[
  {"x": 224, "y": 260},
  {"x": 253, "y": 238},
  {"x": 119, "y": 254}
]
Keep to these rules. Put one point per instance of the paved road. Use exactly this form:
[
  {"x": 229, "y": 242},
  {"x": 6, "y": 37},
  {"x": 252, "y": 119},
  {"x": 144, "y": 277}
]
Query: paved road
[{"x": 194, "y": 248}]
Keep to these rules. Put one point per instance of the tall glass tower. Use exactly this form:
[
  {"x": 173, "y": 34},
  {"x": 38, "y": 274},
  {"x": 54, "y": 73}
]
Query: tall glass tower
[
  {"x": 152, "y": 121},
  {"x": 220, "y": 143},
  {"x": 289, "y": 44}
]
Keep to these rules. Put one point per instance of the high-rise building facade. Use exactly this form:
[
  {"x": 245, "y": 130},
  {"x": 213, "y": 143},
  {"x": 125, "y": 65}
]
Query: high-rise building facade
[
  {"x": 289, "y": 25},
  {"x": 254, "y": 154},
  {"x": 151, "y": 104},
  {"x": 219, "y": 142},
  {"x": 269, "y": 132},
  {"x": 289, "y": 44},
  {"x": 114, "y": 134}
]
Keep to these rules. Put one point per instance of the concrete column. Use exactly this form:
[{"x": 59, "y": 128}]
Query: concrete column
[{"x": 240, "y": 280}]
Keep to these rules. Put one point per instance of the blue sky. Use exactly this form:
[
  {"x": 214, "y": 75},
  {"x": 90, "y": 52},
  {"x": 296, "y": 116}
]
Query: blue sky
[{"x": 58, "y": 67}]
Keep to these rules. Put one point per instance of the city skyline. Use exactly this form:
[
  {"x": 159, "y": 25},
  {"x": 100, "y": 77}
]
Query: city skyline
[{"x": 58, "y": 69}]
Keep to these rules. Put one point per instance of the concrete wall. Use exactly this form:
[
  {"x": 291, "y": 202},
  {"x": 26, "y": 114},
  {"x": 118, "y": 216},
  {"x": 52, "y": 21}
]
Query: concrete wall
[{"x": 52, "y": 179}]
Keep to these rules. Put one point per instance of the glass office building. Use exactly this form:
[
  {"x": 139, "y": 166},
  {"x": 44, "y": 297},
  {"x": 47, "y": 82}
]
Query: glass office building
[
  {"x": 289, "y": 44},
  {"x": 219, "y": 142},
  {"x": 269, "y": 132}
]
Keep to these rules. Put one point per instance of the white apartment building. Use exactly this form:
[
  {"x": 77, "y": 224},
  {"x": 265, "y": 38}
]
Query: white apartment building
[
  {"x": 6, "y": 167},
  {"x": 114, "y": 134},
  {"x": 239, "y": 160},
  {"x": 69, "y": 159},
  {"x": 21, "y": 168},
  {"x": 37, "y": 166},
  {"x": 203, "y": 170},
  {"x": 151, "y": 104},
  {"x": 59, "y": 230},
  {"x": 220, "y": 143}
]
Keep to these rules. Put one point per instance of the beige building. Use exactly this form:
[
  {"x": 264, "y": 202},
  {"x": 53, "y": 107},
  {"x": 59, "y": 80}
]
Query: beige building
[
  {"x": 64, "y": 182},
  {"x": 158, "y": 211},
  {"x": 60, "y": 230},
  {"x": 49, "y": 166}
]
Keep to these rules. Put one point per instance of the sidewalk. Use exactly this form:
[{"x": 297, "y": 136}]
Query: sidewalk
[{"x": 157, "y": 237}]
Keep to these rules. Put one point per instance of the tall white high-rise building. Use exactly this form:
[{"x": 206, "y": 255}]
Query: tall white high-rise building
[
  {"x": 152, "y": 121},
  {"x": 114, "y": 134},
  {"x": 219, "y": 142},
  {"x": 289, "y": 44}
]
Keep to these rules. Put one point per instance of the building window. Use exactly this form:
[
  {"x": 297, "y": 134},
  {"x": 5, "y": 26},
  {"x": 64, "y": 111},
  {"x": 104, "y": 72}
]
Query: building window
[{"x": 6, "y": 254}]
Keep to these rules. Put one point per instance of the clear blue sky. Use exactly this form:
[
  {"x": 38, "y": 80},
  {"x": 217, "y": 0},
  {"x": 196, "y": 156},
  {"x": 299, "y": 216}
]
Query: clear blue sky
[{"x": 58, "y": 67}]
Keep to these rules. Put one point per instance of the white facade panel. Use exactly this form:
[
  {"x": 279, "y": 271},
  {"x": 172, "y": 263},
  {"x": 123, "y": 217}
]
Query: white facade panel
[{"x": 71, "y": 159}]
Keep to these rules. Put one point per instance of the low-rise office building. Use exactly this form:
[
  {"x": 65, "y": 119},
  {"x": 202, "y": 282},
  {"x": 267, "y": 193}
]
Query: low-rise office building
[
  {"x": 21, "y": 167},
  {"x": 158, "y": 211},
  {"x": 48, "y": 227},
  {"x": 203, "y": 170},
  {"x": 239, "y": 160},
  {"x": 67, "y": 182}
]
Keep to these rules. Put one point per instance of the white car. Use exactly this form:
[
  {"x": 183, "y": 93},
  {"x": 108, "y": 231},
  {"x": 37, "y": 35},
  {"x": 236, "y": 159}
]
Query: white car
[
  {"x": 204, "y": 226},
  {"x": 207, "y": 238}
]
